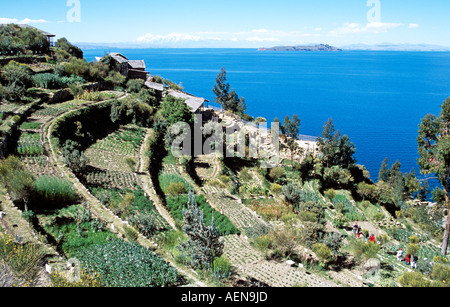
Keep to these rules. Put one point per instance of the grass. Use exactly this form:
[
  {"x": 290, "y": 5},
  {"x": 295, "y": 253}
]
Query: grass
[
  {"x": 166, "y": 179},
  {"x": 54, "y": 191},
  {"x": 31, "y": 125}
]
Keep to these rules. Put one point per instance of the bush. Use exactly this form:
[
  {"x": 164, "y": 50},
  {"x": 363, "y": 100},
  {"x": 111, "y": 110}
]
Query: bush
[
  {"x": 22, "y": 259},
  {"x": 222, "y": 267},
  {"x": 322, "y": 251},
  {"x": 135, "y": 85},
  {"x": 176, "y": 205},
  {"x": 276, "y": 188},
  {"x": 362, "y": 250},
  {"x": 276, "y": 173},
  {"x": 130, "y": 234},
  {"x": 413, "y": 279},
  {"x": 176, "y": 188},
  {"x": 165, "y": 180},
  {"x": 263, "y": 243},
  {"x": 330, "y": 194}
]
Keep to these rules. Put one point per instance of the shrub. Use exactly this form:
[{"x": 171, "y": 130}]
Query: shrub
[
  {"x": 413, "y": 279},
  {"x": 135, "y": 85},
  {"x": 441, "y": 272},
  {"x": 334, "y": 242},
  {"x": 263, "y": 243},
  {"x": 22, "y": 259},
  {"x": 165, "y": 180},
  {"x": 130, "y": 234},
  {"x": 322, "y": 251},
  {"x": 222, "y": 267},
  {"x": 276, "y": 173},
  {"x": 276, "y": 188},
  {"x": 362, "y": 250},
  {"x": 176, "y": 205},
  {"x": 224, "y": 178},
  {"x": 176, "y": 188},
  {"x": 330, "y": 194},
  {"x": 412, "y": 249}
]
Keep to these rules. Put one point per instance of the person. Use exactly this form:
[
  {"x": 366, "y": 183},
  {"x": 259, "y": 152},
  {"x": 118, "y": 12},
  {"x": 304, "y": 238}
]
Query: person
[
  {"x": 355, "y": 228},
  {"x": 414, "y": 262},
  {"x": 400, "y": 254},
  {"x": 372, "y": 238},
  {"x": 407, "y": 259}
]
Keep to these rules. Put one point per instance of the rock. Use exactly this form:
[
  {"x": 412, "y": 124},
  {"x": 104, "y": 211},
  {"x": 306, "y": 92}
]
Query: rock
[{"x": 290, "y": 263}]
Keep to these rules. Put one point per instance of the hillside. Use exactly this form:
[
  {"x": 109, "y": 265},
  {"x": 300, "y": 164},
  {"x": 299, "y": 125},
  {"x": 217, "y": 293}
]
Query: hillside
[
  {"x": 88, "y": 173},
  {"x": 320, "y": 47}
]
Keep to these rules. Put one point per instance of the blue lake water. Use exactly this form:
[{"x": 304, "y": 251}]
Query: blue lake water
[{"x": 377, "y": 98}]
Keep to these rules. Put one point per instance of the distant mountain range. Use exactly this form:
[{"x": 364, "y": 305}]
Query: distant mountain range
[
  {"x": 396, "y": 47},
  {"x": 320, "y": 47}
]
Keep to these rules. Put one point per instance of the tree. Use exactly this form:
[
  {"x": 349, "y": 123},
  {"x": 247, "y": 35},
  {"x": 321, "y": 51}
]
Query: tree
[
  {"x": 336, "y": 150},
  {"x": 222, "y": 88},
  {"x": 229, "y": 100},
  {"x": 291, "y": 129},
  {"x": 74, "y": 157},
  {"x": 204, "y": 244},
  {"x": 434, "y": 151},
  {"x": 175, "y": 110},
  {"x": 72, "y": 50}
]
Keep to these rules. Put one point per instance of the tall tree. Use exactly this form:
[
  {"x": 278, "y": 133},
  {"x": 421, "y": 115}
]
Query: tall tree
[
  {"x": 291, "y": 129},
  {"x": 434, "y": 150},
  {"x": 336, "y": 150},
  {"x": 229, "y": 100},
  {"x": 222, "y": 88}
]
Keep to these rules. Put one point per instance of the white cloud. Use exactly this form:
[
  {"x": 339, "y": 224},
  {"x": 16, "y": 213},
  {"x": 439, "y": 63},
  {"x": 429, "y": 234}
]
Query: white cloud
[
  {"x": 260, "y": 31},
  {"x": 23, "y": 21},
  {"x": 262, "y": 39},
  {"x": 231, "y": 38},
  {"x": 173, "y": 37},
  {"x": 372, "y": 27},
  {"x": 413, "y": 26}
]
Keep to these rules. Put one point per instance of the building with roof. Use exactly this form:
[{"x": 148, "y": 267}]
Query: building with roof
[
  {"x": 196, "y": 104},
  {"x": 132, "y": 69},
  {"x": 50, "y": 36}
]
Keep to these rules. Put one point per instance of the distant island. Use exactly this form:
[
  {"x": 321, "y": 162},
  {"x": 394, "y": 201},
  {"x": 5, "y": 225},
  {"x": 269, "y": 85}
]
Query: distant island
[{"x": 320, "y": 47}]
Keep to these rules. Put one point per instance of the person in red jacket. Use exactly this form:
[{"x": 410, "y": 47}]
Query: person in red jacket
[
  {"x": 407, "y": 259},
  {"x": 372, "y": 238}
]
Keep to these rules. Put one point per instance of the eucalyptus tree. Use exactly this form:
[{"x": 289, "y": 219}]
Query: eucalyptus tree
[{"x": 434, "y": 150}]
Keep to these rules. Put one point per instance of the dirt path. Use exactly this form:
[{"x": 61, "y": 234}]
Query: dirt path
[{"x": 148, "y": 187}]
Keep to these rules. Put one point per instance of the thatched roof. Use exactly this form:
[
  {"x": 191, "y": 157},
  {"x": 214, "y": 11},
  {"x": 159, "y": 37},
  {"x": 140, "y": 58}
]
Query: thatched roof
[
  {"x": 156, "y": 86},
  {"x": 136, "y": 64},
  {"x": 119, "y": 58},
  {"x": 43, "y": 32},
  {"x": 192, "y": 102}
]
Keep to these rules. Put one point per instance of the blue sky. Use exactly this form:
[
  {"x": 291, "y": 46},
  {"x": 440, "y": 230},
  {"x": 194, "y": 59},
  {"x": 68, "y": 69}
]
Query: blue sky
[{"x": 237, "y": 23}]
